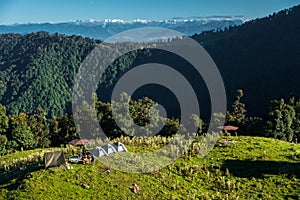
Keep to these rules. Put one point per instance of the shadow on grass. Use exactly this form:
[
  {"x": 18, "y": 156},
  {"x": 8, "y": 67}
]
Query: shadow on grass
[
  {"x": 258, "y": 169},
  {"x": 12, "y": 180}
]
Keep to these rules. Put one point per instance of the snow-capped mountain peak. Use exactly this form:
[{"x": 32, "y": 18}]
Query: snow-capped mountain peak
[{"x": 102, "y": 29}]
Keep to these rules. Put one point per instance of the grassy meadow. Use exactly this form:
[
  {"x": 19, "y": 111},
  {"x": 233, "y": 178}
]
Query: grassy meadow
[{"x": 237, "y": 168}]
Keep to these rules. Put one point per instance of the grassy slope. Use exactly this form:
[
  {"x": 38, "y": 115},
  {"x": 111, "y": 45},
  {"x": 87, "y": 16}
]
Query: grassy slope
[{"x": 247, "y": 168}]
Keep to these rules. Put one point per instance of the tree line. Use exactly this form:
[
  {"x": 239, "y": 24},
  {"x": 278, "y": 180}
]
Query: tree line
[
  {"x": 281, "y": 121},
  {"x": 29, "y": 131}
]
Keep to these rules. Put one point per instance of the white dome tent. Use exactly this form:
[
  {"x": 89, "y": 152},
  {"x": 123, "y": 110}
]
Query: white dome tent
[
  {"x": 120, "y": 147},
  {"x": 98, "y": 152},
  {"x": 109, "y": 149}
]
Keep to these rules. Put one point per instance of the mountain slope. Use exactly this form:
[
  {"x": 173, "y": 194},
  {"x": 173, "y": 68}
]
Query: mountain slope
[
  {"x": 38, "y": 70},
  {"x": 261, "y": 57}
]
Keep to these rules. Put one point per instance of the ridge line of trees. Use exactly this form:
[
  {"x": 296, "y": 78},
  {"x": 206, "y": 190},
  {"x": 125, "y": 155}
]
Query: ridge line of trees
[{"x": 29, "y": 131}]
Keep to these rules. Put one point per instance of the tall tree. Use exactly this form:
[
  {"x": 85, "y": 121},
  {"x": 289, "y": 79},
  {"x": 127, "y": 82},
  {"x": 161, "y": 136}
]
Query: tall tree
[
  {"x": 296, "y": 121},
  {"x": 3, "y": 142},
  {"x": 40, "y": 129},
  {"x": 21, "y": 132},
  {"x": 238, "y": 114},
  {"x": 198, "y": 122},
  {"x": 280, "y": 120},
  {"x": 3, "y": 120}
]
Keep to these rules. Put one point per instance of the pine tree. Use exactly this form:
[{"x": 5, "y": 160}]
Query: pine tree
[
  {"x": 280, "y": 120},
  {"x": 238, "y": 115}
]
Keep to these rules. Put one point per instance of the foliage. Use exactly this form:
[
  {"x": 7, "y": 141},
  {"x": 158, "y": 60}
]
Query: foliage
[
  {"x": 217, "y": 120},
  {"x": 21, "y": 132},
  {"x": 296, "y": 121},
  {"x": 3, "y": 120},
  {"x": 198, "y": 122},
  {"x": 281, "y": 119},
  {"x": 237, "y": 116},
  {"x": 3, "y": 142},
  {"x": 38, "y": 70},
  {"x": 38, "y": 125},
  {"x": 138, "y": 115},
  {"x": 258, "y": 56},
  {"x": 62, "y": 130},
  {"x": 254, "y": 126}
]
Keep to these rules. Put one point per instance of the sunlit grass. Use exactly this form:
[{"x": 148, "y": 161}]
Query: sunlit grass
[{"x": 190, "y": 177}]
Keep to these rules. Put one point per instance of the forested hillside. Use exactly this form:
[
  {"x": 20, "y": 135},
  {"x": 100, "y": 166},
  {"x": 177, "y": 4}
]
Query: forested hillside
[
  {"x": 38, "y": 70},
  {"x": 261, "y": 57}
]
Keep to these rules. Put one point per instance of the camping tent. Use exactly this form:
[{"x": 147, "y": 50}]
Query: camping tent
[
  {"x": 53, "y": 159},
  {"x": 109, "y": 148},
  {"x": 98, "y": 152},
  {"x": 120, "y": 147}
]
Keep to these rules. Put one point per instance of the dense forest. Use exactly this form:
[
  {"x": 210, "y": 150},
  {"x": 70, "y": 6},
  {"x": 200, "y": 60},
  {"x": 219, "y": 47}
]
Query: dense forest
[
  {"x": 261, "y": 57},
  {"x": 38, "y": 69}
]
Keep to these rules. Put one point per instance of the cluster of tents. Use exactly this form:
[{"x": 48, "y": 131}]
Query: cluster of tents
[
  {"x": 53, "y": 159},
  {"x": 108, "y": 149}
]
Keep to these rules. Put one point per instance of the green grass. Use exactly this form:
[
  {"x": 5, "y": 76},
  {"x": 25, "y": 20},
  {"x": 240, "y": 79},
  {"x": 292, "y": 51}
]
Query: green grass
[{"x": 237, "y": 168}]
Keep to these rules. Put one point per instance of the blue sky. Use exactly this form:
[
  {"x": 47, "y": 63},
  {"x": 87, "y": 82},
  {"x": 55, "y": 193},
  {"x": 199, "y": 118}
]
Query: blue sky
[{"x": 24, "y": 11}]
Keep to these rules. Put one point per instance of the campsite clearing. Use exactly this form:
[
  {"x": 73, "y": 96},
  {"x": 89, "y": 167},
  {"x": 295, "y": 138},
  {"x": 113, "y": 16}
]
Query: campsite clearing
[{"x": 246, "y": 168}]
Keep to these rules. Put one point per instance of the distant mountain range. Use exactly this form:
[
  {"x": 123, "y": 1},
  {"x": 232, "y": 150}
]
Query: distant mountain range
[{"x": 102, "y": 29}]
